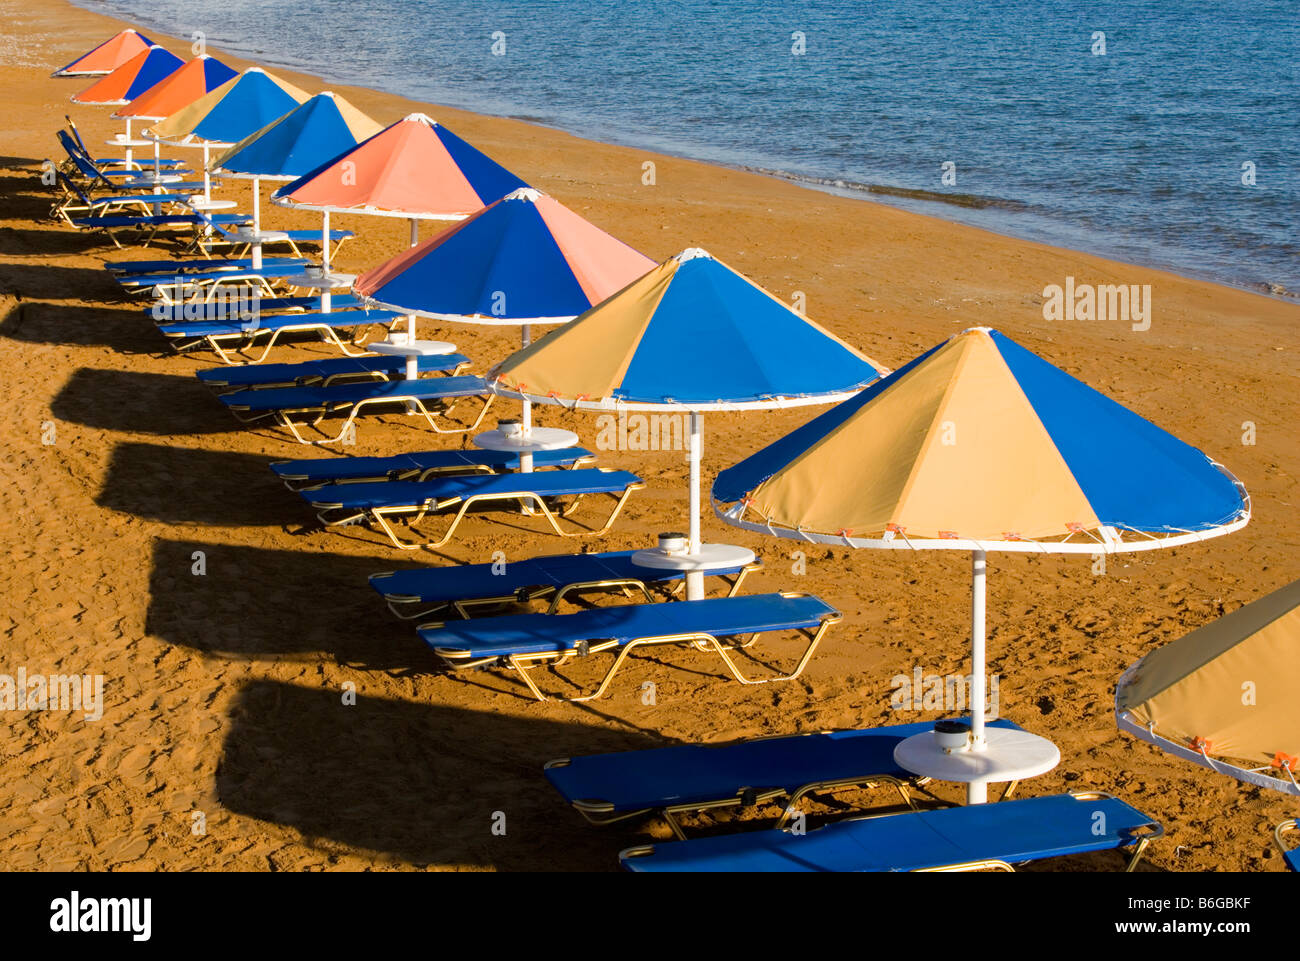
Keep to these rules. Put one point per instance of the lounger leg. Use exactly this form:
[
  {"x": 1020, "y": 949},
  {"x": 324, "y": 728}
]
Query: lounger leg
[{"x": 803, "y": 661}]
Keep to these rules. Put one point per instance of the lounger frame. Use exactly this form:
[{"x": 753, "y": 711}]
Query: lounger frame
[
  {"x": 240, "y": 353},
  {"x": 317, "y": 413},
  {"x": 1280, "y": 832},
  {"x": 415, "y": 513},
  {"x": 524, "y": 664}
]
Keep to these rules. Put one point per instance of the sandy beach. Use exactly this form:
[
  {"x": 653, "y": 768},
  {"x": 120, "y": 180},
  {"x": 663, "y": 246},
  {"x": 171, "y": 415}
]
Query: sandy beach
[{"x": 226, "y": 743}]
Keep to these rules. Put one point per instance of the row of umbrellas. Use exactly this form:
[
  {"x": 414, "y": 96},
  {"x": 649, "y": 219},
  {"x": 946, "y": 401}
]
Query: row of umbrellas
[{"x": 977, "y": 445}]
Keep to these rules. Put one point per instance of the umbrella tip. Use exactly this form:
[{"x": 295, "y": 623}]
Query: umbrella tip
[
  {"x": 418, "y": 117},
  {"x": 693, "y": 253},
  {"x": 530, "y": 194}
]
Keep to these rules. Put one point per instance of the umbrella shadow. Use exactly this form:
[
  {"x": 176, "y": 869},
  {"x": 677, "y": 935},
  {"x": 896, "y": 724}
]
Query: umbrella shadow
[
  {"x": 186, "y": 485},
  {"x": 163, "y": 405},
  {"x": 255, "y": 603},
  {"x": 423, "y": 783}
]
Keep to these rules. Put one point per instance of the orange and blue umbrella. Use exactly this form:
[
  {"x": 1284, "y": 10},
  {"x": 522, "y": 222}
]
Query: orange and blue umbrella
[
  {"x": 106, "y": 57},
  {"x": 179, "y": 90},
  {"x": 146, "y": 69}
]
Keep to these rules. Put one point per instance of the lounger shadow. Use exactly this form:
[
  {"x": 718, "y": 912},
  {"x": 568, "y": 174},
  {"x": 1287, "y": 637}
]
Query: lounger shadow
[
  {"x": 422, "y": 783},
  {"x": 162, "y": 405}
]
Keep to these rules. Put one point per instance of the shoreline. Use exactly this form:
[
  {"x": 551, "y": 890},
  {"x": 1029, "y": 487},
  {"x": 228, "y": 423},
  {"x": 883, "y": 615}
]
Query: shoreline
[
  {"x": 221, "y": 691},
  {"x": 920, "y": 201}
]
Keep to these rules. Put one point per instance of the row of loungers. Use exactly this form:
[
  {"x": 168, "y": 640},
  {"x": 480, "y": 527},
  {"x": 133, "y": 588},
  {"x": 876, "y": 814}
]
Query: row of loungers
[{"x": 782, "y": 772}]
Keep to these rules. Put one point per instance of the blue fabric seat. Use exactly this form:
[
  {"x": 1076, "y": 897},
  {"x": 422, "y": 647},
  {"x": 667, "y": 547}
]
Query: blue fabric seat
[
  {"x": 429, "y": 397},
  {"x": 972, "y": 837},
  {"x": 687, "y": 777},
  {"x": 299, "y": 474},
  {"x": 518, "y": 640},
  {"x": 195, "y": 265},
  {"x": 272, "y": 268},
  {"x": 375, "y": 503},
  {"x": 265, "y": 305},
  {"x": 423, "y": 591},
  {"x": 265, "y": 376},
  {"x": 266, "y": 331}
]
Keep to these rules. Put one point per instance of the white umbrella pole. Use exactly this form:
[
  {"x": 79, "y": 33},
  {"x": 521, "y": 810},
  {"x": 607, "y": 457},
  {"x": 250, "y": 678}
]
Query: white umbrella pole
[
  {"x": 257, "y": 225},
  {"x": 207, "y": 174},
  {"x": 128, "y": 144},
  {"x": 414, "y": 239},
  {"x": 325, "y": 300},
  {"x": 695, "y": 579},
  {"x": 526, "y": 421},
  {"x": 977, "y": 792}
]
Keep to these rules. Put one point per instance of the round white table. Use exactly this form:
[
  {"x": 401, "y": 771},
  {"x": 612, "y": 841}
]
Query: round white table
[
  {"x": 711, "y": 557},
  {"x": 199, "y": 202},
  {"x": 1008, "y": 755},
  {"x": 412, "y": 350},
  {"x": 526, "y": 443},
  {"x": 323, "y": 282},
  {"x": 128, "y": 143}
]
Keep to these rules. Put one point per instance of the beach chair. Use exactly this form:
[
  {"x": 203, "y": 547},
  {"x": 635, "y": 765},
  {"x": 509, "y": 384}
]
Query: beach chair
[
  {"x": 325, "y": 372},
  {"x": 111, "y": 162},
  {"x": 131, "y": 268},
  {"x": 116, "y": 224},
  {"x": 300, "y": 475},
  {"x": 411, "y": 502},
  {"x": 173, "y": 313},
  {"x": 1290, "y": 856},
  {"x": 244, "y": 282},
  {"x": 761, "y": 772},
  {"x": 525, "y": 642},
  {"x": 75, "y": 201},
  {"x": 469, "y": 588},
  {"x": 431, "y": 398},
  {"x": 217, "y": 236},
  {"x": 971, "y": 838},
  {"x": 234, "y": 341},
  {"x": 122, "y": 179}
]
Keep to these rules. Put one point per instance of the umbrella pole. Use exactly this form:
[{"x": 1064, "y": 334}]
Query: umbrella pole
[
  {"x": 526, "y": 420},
  {"x": 207, "y": 174},
  {"x": 128, "y": 144},
  {"x": 257, "y": 225},
  {"x": 325, "y": 301},
  {"x": 695, "y": 579},
  {"x": 414, "y": 239},
  {"x": 977, "y": 792}
]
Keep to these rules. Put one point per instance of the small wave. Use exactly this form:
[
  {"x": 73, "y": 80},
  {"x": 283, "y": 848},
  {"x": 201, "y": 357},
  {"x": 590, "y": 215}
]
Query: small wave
[{"x": 973, "y": 201}]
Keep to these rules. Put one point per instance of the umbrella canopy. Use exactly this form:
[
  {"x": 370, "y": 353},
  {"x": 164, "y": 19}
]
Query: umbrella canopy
[
  {"x": 179, "y": 90},
  {"x": 106, "y": 57},
  {"x": 316, "y": 130},
  {"x": 980, "y": 445},
  {"x": 415, "y": 168},
  {"x": 146, "y": 69},
  {"x": 691, "y": 335},
  {"x": 239, "y": 107},
  {"x": 1229, "y": 689},
  {"x": 525, "y": 259}
]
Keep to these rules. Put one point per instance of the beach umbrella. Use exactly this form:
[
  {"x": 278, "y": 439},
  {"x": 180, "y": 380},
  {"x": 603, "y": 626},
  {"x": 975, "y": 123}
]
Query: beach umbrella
[
  {"x": 106, "y": 57},
  {"x": 147, "y": 68},
  {"x": 141, "y": 73},
  {"x": 525, "y": 259},
  {"x": 318, "y": 129},
  {"x": 1227, "y": 695},
  {"x": 979, "y": 445},
  {"x": 180, "y": 89},
  {"x": 415, "y": 169},
  {"x": 692, "y": 335},
  {"x": 222, "y": 117}
]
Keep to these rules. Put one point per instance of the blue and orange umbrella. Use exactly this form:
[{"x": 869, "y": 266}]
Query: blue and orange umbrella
[
  {"x": 146, "y": 69},
  {"x": 317, "y": 130},
  {"x": 980, "y": 445},
  {"x": 106, "y": 57}
]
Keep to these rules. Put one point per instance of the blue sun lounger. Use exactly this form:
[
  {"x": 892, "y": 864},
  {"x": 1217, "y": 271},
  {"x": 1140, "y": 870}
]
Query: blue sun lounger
[
  {"x": 128, "y": 268},
  {"x": 79, "y": 149},
  {"x": 412, "y": 501},
  {"x": 301, "y": 475},
  {"x": 76, "y": 201},
  {"x": 972, "y": 838},
  {"x": 99, "y": 170},
  {"x": 427, "y": 396},
  {"x": 217, "y": 236},
  {"x": 426, "y": 591},
  {"x": 325, "y": 372},
  {"x": 669, "y": 781},
  {"x": 1290, "y": 856},
  {"x": 176, "y": 313},
  {"x": 112, "y": 224},
  {"x": 239, "y": 336},
  {"x": 198, "y": 271},
  {"x": 521, "y": 642}
]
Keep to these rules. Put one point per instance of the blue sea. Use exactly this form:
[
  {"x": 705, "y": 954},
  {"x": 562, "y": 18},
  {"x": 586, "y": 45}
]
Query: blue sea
[{"x": 1158, "y": 132}]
